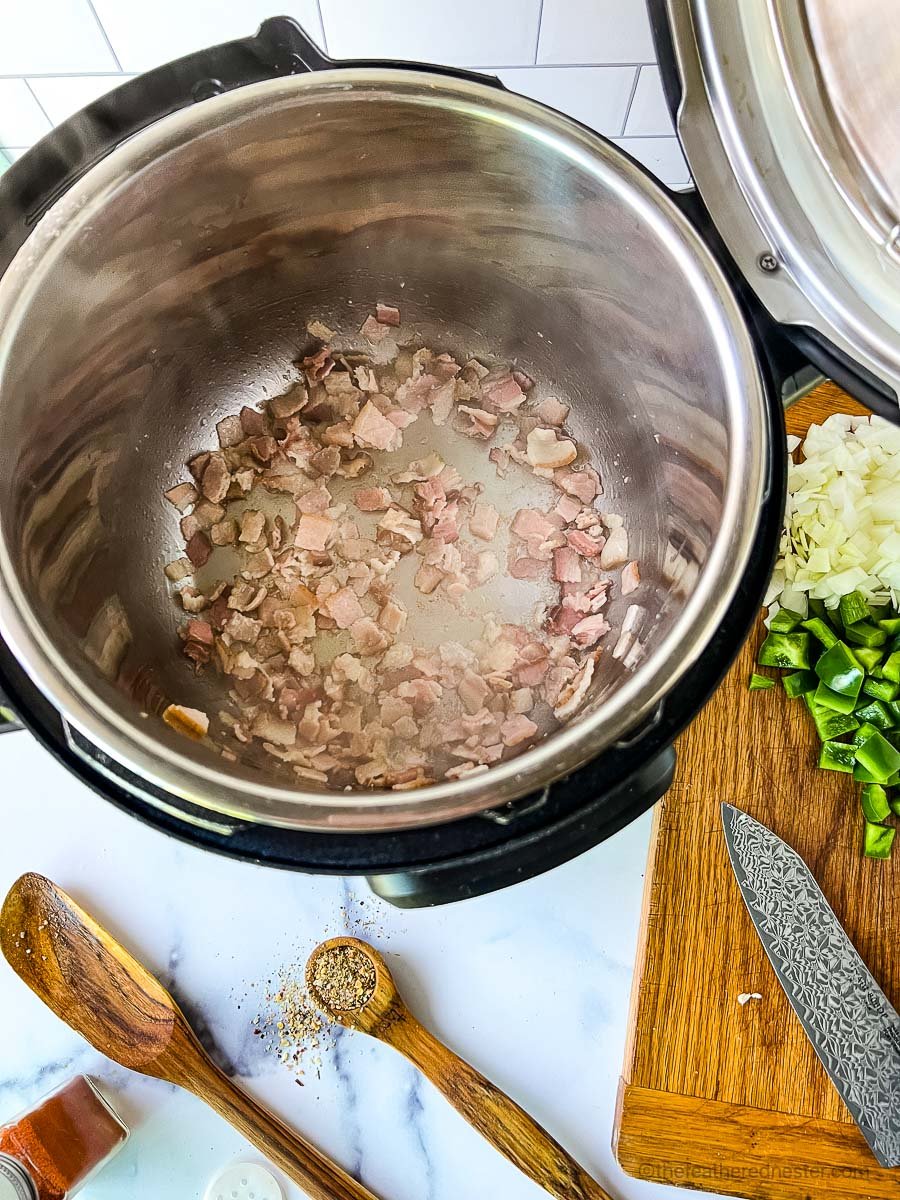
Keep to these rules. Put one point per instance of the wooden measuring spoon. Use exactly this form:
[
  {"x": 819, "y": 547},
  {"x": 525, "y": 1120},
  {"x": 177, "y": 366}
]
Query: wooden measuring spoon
[
  {"x": 95, "y": 986},
  {"x": 510, "y": 1129}
]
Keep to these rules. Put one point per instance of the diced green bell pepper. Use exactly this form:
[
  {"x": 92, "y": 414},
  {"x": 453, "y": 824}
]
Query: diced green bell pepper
[
  {"x": 890, "y": 625},
  {"x": 863, "y": 775},
  {"x": 864, "y": 633},
  {"x": 894, "y": 802},
  {"x": 877, "y": 755},
  {"x": 875, "y": 713},
  {"x": 787, "y": 650},
  {"x": 868, "y": 657},
  {"x": 839, "y": 669},
  {"x": 881, "y": 689},
  {"x": 800, "y": 683},
  {"x": 822, "y": 631},
  {"x": 874, "y": 801},
  {"x": 854, "y": 609},
  {"x": 825, "y": 697},
  {"x": 759, "y": 683},
  {"x": 837, "y": 756},
  {"x": 863, "y": 734},
  {"x": 831, "y": 724},
  {"x": 786, "y": 621},
  {"x": 878, "y": 840},
  {"x": 891, "y": 667}
]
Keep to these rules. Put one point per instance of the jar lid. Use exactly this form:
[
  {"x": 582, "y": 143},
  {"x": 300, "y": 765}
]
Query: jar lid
[
  {"x": 787, "y": 119},
  {"x": 15, "y": 1182}
]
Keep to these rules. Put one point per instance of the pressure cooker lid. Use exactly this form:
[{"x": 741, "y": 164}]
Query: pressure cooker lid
[{"x": 788, "y": 115}]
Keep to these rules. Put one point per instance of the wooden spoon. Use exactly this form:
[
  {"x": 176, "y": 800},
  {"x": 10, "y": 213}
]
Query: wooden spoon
[
  {"x": 380, "y": 1012},
  {"x": 95, "y": 986}
]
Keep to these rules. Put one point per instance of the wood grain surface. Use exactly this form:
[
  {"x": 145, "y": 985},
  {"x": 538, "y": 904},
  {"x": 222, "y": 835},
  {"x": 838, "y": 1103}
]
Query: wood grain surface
[
  {"x": 93, "y": 984},
  {"x": 712, "y": 1091},
  {"x": 508, "y": 1128}
]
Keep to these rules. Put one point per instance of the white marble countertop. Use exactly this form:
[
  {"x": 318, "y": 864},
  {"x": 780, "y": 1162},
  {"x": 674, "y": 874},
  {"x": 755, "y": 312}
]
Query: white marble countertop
[{"x": 530, "y": 984}]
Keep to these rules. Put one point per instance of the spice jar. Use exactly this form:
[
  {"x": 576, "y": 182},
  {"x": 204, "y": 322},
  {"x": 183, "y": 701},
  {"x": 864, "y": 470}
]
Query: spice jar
[{"x": 49, "y": 1152}]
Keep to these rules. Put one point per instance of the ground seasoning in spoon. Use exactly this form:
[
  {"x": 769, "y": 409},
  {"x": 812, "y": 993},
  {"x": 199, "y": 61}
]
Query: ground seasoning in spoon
[{"x": 342, "y": 978}]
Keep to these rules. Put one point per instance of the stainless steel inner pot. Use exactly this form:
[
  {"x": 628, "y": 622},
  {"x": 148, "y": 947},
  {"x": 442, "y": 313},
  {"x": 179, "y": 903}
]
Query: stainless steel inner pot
[{"x": 173, "y": 283}]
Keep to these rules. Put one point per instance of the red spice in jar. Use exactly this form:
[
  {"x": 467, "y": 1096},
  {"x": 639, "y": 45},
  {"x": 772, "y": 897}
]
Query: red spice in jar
[{"x": 64, "y": 1140}]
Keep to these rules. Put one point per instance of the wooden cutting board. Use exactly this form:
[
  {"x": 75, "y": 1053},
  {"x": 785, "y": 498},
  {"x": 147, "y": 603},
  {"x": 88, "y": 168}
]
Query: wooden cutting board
[{"x": 716, "y": 1095}]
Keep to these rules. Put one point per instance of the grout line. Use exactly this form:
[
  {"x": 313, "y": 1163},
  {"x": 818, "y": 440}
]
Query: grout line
[
  {"x": 90, "y": 4},
  {"x": 537, "y": 40},
  {"x": 634, "y": 87},
  {"x": 38, "y": 102},
  {"x": 322, "y": 24}
]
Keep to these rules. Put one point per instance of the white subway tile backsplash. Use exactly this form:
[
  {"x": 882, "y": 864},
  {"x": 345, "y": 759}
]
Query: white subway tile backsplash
[
  {"x": 463, "y": 33},
  {"x": 144, "y": 35},
  {"x": 597, "y": 96},
  {"x": 51, "y": 36},
  {"x": 60, "y": 96},
  {"x": 649, "y": 113},
  {"x": 21, "y": 119},
  {"x": 595, "y": 31},
  {"x": 661, "y": 155}
]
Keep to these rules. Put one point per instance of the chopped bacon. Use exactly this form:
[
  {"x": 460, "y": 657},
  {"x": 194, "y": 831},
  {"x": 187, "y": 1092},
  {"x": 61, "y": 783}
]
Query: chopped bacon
[
  {"x": 182, "y": 495},
  {"x": 531, "y": 524},
  {"x": 483, "y": 521},
  {"x": 319, "y": 365},
  {"x": 615, "y": 551},
  {"x": 502, "y": 392},
  {"x": 420, "y": 469},
  {"x": 499, "y": 456},
  {"x": 316, "y": 500},
  {"x": 631, "y": 578},
  {"x": 178, "y": 569},
  {"x": 343, "y": 607},
  {"x": 327, "y": 460},
  {"x": 253, "y": 524},
  {"x": 386, "y": 314},
  {"x": 566, "y": 567},
  {"x": 441, "y": 401},
  {"x": 482, "y": 424},
  {"x": 373, "y": 499},
  {"x": 198, "y": 549},
  {"x": 523, "y": 567},
  {"x": 583, "y": 484},
  {"x": 517, "y": 728},
  {"x": 582, "y": 544},
  {"x": 392, "y": 617},
  {"x": 314, "y": 531},
  {"x": 368, "y": 638},
  {"x": 372, "y": 429},
  {"x": 552, "y": 411},
  {"x": 590, "y": 629},
  {"x": 290, "y": 403},
  {"x": 545, "y": 450},
  {"x": 397, "y": 526},
  {"x": 190, "y": 721},
  {"x": 373, "y": 330}
]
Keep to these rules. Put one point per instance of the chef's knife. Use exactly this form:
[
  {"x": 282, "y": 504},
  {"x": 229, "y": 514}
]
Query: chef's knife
[{"x": 853, "y": 1027}]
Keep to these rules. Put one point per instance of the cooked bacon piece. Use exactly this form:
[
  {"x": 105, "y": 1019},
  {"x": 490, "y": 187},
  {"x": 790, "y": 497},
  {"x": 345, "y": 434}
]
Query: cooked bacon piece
[
  {"x": 316, "y": 500},
  {"x": 482, "y": 424},
  {"x": 523, "y": 567},
  {"x": 521, "y": 700},
  {"x": 373, "y": 330},
  {"x": 197, "y": 464},
  {"x": 270, "y": 728},
  {"x": 568, "y": 508},
  {"x": 190, "y": 721},
  {"x": 178, "y": 569},
  {"x": 442, "y": 400},
  {"x": 615, "y": 552},
  {"x": 386, "y": 314},
  {"x": 420, "y": 469},
  {"x": 483, "y": 521},
  {"x": 486, "y": 567},
  {"x": 230, "y": 431},
  {"x": 583, "y": 484},
  {"x": 242, "y": 628},
  {"x": 631, "y": 578},
  {"x": 552, "y": 411},
  {"x": 319, "y": 330},
  {"x": 398, "y": 529},
  {"x": 428, "y": 577},
  {"x": 224, "y": 533},
  {"x": 392, "y": 617},
  {"x": 373, "y": 499},
  {"x": 371, "y": 428},
  {"x": 368, "y": 638},
  {"x": 314, "y": 531},
  {"x": 499, "y": 456},
  {"x": 198, "y": 549},
  {"x": 572, "y": 694},
  {"x": 290, "y": 403},
  {"x": 257, "y": 566},
  {"x": 253, "y": 422},
  {"x": 590, "y": 629},
  {"x": 473, "y": 691},
  {"x": 263, "y": 448},
  {"x": 517, "y": 728},
  {"x": 318, "y": 365},
  {"x": 532, "y": 525},
  {"x": 182, "y": 495},
  {"x": 566, "y": 567},
  {"x": 583, "y": 544},
  {"x": 631, "y": 627},
  {"x": 253, "y": 524},
  {"x": 343, "y": 607},
  {"x": 502, "y": 392},
  {"x": 545, "y": 450}
]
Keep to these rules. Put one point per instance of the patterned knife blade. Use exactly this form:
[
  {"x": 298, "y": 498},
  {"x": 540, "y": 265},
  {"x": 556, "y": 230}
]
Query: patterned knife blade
[{"x": 853, "y": 1027}]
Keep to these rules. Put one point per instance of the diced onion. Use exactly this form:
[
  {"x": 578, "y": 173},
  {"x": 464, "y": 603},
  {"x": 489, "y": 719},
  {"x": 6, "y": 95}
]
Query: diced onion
[{"x": 842, "y": 518}]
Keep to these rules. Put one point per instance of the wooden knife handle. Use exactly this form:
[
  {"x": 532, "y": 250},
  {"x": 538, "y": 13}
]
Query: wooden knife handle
[{"x": 496, "y": 1117}]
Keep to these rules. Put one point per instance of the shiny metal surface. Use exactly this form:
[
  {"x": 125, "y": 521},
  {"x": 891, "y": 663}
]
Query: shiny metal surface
[
  {"x": 173, "y": 283},
  {"x": 853, "y": 1027},
  {"x": 788, "y": 122}
]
